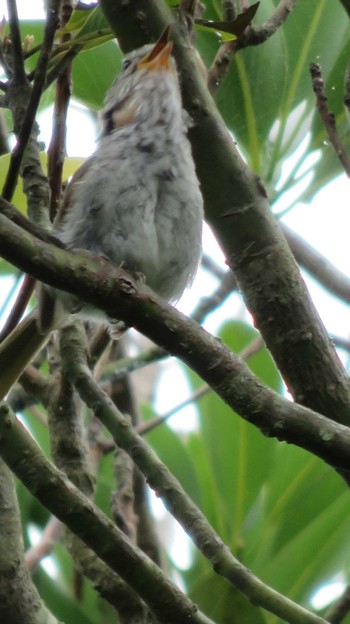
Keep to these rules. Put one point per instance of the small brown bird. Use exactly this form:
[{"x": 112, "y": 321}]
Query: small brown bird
[{"x": 136, "y": 201}]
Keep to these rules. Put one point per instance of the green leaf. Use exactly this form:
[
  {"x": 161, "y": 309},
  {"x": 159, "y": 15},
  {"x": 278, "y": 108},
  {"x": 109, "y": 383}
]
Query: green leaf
[
  {"x": 5, "y": 268},
  {"x": 224, "y": 36},
  {"x": 90, "y": 27},
  {"x": 76, "y": 21},
  {"x": 235, "y": 27},
  {"x": 90, "y": 84},
  {"x": 172, "y": 450},
  {"x": 281, "y": 510}
]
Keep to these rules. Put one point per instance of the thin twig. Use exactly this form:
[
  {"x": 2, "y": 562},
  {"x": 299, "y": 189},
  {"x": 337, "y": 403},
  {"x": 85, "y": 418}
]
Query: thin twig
[
  {"x": 115, "y": 370},
  {"x": 327, "y": 117},
  {"x": 60, "y": 66},
  {"x": 213, "y": 267},
  {"x": 146, "y": 427},
  {"x": 318, "y": 265},
  {"x": 229, "y": 11},
  {"x": 19, "y": 307},
  {"x": 256, "y": 345},
  {"x": 206, "y": 306},
  {"x": 257, "y": 34},
  {"x": 11, "y": 213},
  {"x": 57, "y": 147},
  {"x": 19, "y": 75},
  {"x": 220, "y": 65},
  {"x": 209, "y": 304},
  {"x": 39, "y": 82},
  {"x": 49, "y": 538},
  {"x": 253, "y": 35}
]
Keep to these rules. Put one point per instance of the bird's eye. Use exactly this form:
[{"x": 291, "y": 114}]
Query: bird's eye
[{"x": 126, "y": 64}]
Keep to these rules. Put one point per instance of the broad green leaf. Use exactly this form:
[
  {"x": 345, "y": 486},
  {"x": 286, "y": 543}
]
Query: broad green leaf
[
  {"x": 105, "y": 484},
  {"x": 282, "y": 511},
  {"x": 222, "y": 602},
  {"x": 90, "y": 84},
  {"x": 220, "y": 34},
  {"x": 314, "y": 555},
  {"x": 95, "y": 30},
  {"x": 76, "y": 21},
  {"x": 61, "y": 602},
  {"x": 96, "y": 21},
  {"x": 233, "y": 446},
  {"x": 5, "y": 268},
  {"x": 173, "y": 451}
]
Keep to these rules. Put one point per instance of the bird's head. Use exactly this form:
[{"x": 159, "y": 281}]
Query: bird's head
[{"x": 147, "y": 85}]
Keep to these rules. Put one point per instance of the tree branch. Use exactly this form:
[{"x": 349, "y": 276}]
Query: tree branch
[
  {"x": 26, "y": 124},
  {"x": 257, "y": 34},
  {"x": 49, "y": 538},
  {"x": 318, "y": 265},
  {"x": 57, "y": 148},
  {"x": 11, "y": 212},
  {"x": 19, "y": 75},
  {"x": 253, "y": 35},
  {"x": 95, "y": 282},
  {"x": 328, "y": 118},
  {"x": 19, "y": 306}
]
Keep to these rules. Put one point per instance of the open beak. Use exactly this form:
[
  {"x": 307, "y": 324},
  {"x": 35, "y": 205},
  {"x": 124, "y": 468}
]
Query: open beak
[{"x": 159, "y": 57}]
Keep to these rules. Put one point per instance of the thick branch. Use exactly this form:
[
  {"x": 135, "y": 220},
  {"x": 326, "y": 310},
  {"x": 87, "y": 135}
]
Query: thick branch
[{"x": 113, "y": 290}]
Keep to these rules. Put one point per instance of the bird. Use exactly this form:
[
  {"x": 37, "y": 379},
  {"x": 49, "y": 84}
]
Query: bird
[{"x": 136, "y": 201}]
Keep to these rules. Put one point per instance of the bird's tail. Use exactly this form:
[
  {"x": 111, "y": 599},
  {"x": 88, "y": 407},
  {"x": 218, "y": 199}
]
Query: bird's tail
[{"x": 17, "y": 350}]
